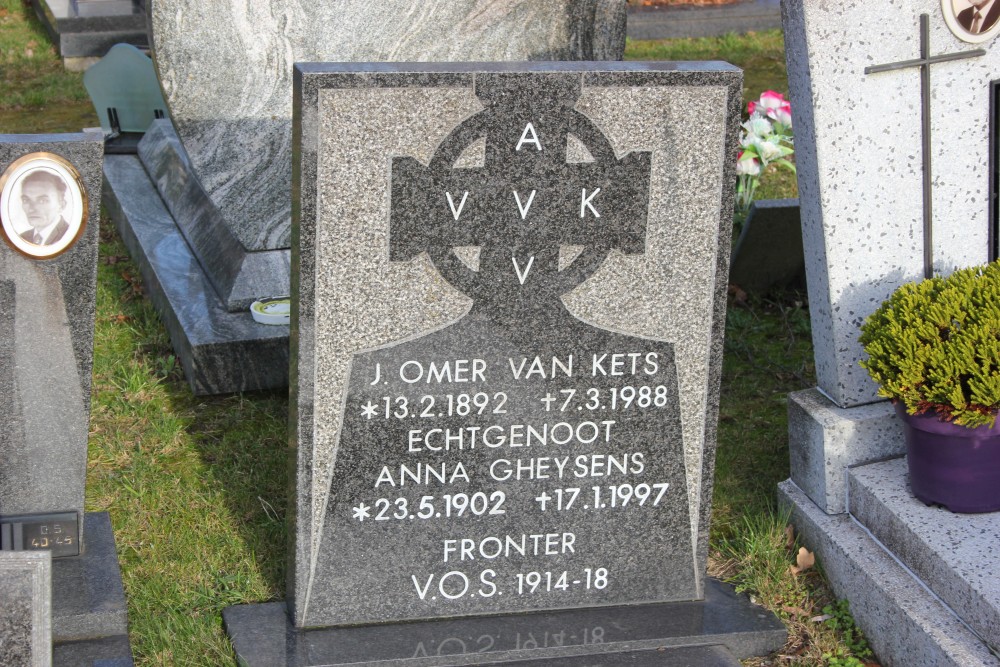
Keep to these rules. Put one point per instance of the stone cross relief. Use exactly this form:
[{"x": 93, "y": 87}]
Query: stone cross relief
[{"x": 524, "y": 203}]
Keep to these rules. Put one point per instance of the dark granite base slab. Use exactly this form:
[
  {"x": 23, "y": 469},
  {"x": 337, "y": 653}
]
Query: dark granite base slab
[
  {"x": 769, "y": 251},
  {"x": 78, "y": 34},
  {"x": 221, "y": 352},
  {"x": 677, "y": 656},
  {"x": 262, "y": 635},
  {"x": 106, "y": 652},
  {"x": 88, "y": 601},
  {"x": 239, "y": 277},
  {"x": 702, "y": 20}
]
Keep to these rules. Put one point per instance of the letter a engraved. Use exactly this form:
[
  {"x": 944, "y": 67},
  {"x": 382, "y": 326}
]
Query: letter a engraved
[
  {"x": 522, "y": 276},
  {"x": 529, "y": 129},
  {"x": 524, "y": 209},
  {"x": 585, "y": 202},
  {"x": 458, "y": 212}
]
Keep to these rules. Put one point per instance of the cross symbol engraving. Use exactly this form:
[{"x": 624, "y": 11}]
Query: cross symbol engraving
[
  {"x": 924, "y": 62},
  {"x": 525, "y": 201}
]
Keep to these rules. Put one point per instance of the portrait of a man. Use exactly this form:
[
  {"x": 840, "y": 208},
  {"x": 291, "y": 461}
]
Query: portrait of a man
[
  {"x": 972, "y": 21},
  {"x": 979, "y": 17},
  {"x": 43, "y": 200},
  {"x": 43, "y": 205}
]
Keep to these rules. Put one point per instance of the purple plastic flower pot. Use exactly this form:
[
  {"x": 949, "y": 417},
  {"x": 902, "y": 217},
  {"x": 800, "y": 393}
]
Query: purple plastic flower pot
[{"x": 952, "y": 465}]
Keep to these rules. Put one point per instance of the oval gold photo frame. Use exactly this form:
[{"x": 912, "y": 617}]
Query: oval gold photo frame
[
  {"x": 951, "y": 14},
  {"x": 73, "y": 206}
]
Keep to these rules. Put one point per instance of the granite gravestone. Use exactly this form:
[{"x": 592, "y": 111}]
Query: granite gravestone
[
  {"x": 84, "y": 30},
  {"x": 896, "y": 167},
  {"x": 26, "y": 612},
  {"x": 49, "y": 212},
  {"x": 508, "y": 310},
  {"x": 225, "y": 176}
]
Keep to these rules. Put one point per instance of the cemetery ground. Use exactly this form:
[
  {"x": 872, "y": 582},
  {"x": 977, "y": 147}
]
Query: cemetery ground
[{"x": 196, "y": 487}]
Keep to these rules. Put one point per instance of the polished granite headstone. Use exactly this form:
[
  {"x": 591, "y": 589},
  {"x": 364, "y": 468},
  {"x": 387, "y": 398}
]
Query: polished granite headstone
[
  {"x": 508, "y": 309},
  {"x": 25, "y": 609},
  {"x": 89, "y": 28},
  {"x": 46, "y": 359},
  {"x": 225, "y": 176}
]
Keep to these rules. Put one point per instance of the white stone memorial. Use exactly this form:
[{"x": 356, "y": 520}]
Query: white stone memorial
[{"x": 895, "y": 124}]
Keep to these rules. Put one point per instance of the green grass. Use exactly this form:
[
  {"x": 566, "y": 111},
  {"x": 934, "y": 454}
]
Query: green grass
[
  {"x": 761, "y": 55},
  {"x": 196, "y": 487},
  {"x": 37, "y": 95}
]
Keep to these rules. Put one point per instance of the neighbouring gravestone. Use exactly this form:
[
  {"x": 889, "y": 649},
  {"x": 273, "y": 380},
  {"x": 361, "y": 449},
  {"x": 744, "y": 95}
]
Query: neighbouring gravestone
[
  {"x": 769, "y": 251},
  {"x": 225, "y": 176},
  {"x": 26, "y": 609},
  {"x": 896, "y": 127},
  {"x": 126, "y": 96},
  {"x": 49, "y": 213},
  {"x": 83, "y": 30},
  {"x": 507, "y": 336}
]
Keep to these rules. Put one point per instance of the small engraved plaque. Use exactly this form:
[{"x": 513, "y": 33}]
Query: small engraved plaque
[{"x": 58, "y": 533}]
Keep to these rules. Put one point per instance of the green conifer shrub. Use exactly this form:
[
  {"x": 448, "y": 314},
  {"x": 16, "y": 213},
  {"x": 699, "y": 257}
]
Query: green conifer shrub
[{"x": 935, "y": 346}]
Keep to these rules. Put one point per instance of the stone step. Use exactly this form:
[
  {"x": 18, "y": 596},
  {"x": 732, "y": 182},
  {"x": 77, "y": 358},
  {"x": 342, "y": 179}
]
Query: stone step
[
  {"x": 714, "y": 632},
  {"x": 955, "y": 555},
  {"x": 906, "y": 624}
]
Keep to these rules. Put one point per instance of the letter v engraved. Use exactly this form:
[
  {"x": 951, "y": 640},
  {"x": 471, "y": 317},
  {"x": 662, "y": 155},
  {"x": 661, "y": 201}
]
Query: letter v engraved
[
  {"x": 522, "y": 276},
  {"x": 461, "y": 205},
  {"x": 526, "y": 207}
]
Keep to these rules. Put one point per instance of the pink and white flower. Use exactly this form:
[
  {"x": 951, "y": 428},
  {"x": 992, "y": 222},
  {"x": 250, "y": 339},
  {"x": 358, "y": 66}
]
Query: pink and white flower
[
  {"x": 747, "y": 164},
  {"x": 774, "y": 106}
]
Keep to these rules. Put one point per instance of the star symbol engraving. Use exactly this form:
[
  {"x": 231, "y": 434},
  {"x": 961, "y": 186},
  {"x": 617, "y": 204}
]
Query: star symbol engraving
[
  {"x": 369, "y": 409},
  {"x": 361, "y": 512}
]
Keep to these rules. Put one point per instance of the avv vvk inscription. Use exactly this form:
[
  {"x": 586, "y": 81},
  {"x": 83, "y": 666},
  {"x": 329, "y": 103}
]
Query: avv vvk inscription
[{"x": 519, "y": 458}]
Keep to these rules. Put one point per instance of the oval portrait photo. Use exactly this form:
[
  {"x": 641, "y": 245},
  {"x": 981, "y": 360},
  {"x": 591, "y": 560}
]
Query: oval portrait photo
[
  {"x": 43, "y": 205},
  {"x": 972, "y": 20}
]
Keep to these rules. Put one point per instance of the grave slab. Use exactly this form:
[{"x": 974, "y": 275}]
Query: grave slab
[
  {"x": 372, "y": 312},
  {"x": 88, "y": 600},
  {"x": 955, "y": 555},
  {"x": 828, "y": 439},
  {"x": 48, "y": 293},
  {"x": 681, "y": 21},
  {"x": 221, "y": 352},
  {"x": 26, "y": 612},
  {"x": 264, "y": 635},
  {"x": 50, "y": 198},
  {"x": 89, "y": 28},
  {"x": 233, "y": 109},
  {"x": 768, "y": 252},
  {"x": 906, "y": 624},
  {"x": 858, "y": 138}
]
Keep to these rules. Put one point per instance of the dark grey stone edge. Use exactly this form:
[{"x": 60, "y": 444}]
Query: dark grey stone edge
[
  {"x": 461, "y": 74},
  {"x": 238, "y": 276},
  {"x": 112, "y": 651},
  {"x": 262, "y": 634},
  {"x": 899, "y": 537},
  {"x": 90, "y": 36},
  {"x": 221, "y": 352},
  {"x": 88, "y": 599},
  {"x": 905, "y": 623},
  {"x": 679, "y": 22}
]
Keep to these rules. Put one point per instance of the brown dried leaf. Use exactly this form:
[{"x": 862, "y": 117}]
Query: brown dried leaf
[
  {"x": 789, "y": 537},
  {"x": 805, "y": 560},
  {"x": 794, "y": 611}
]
